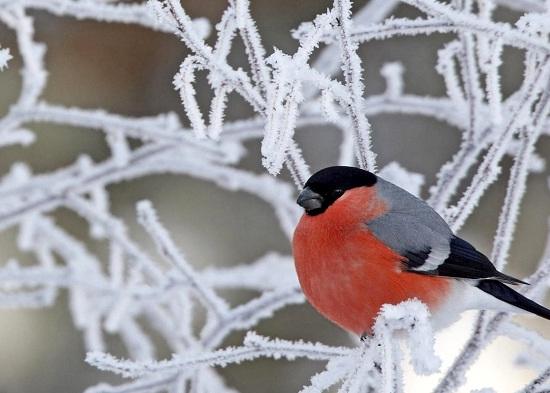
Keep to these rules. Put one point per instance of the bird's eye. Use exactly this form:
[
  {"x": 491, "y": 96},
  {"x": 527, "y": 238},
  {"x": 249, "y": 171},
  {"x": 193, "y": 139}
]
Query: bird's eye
[{"x": 338, "y": 192}]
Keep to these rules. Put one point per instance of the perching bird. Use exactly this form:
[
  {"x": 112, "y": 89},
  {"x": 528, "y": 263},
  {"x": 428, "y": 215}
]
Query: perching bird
[{"x": 364, "y": 242}]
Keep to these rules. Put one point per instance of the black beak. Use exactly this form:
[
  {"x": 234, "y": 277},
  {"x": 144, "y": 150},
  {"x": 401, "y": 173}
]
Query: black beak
[{"x": 310, "y": 200}]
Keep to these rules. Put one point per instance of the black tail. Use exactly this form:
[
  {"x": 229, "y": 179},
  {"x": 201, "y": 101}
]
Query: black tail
[
  {"x": 506, "y": 294},
  {"x": 509, "y": 279}
]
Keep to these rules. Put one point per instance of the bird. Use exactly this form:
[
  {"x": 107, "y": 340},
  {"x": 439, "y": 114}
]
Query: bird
[{"x": 363, "y": 242}]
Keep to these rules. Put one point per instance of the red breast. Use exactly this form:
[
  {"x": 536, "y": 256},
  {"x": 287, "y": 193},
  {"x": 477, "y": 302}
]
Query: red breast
[{"x": 346, "y": 273}]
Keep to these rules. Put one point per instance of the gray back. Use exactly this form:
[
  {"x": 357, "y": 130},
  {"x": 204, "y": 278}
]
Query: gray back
[{"x": 411, "y": 225}]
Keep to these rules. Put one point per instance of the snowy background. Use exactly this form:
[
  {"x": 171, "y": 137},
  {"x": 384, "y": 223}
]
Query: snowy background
[{"x": 82, "y": 275}]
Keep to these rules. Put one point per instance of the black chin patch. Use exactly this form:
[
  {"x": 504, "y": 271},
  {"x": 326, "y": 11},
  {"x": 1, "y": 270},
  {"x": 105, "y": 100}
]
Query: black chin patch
[{"x": 315, "y": 212}]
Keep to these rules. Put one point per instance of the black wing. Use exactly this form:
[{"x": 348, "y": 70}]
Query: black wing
[
  {"x": 463, "y": 261},
  {"x": 415, "y": 231},
  {"x": 466, "y": 262}
]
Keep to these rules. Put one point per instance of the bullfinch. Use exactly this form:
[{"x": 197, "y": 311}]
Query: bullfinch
[{"x": 364, "y": 242}]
